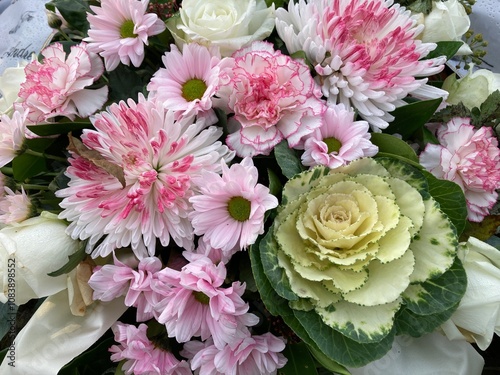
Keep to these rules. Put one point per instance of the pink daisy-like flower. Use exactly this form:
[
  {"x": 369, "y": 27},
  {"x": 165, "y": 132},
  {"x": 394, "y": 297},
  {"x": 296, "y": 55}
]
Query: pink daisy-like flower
[
  {"x": 365, "y": 53},
  {"x": 247, "y": 356},
  {"x": 158, "y": 157},
  {"x": 189, "y": 80},
  {"x": 141, "y": 356},
  {"x": 196, "y": 303},
  {"x": 272, "y": 96},
  {"x": 12, "y": 135},
  {"x": 230, "y": 209},
  {"x": 119, "y": 29},
  {"x": 15, "y": 207},
  {"x": 338, "y": 141},
  {"x": 470, "y": 158},
  {"x": 113, "y": 280},
  {"x": 56, "y": 86}
]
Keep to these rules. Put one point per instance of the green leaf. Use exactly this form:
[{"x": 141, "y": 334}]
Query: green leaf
[
  {"x": 73, "y": 261},
  {"x": 450, "y": 198},
  {"x": 412, "y": 117},
  {"x": 73, "y": 11},
  {"x": 439, "y": 294},
  {"x": 338, "y": 347},
  {"x": 326, "y": 362},
  {"x": 7, "y": 318},
  {"x": 124, "y": 84},
  {"x": 448, "y": 49},
  {"x": 39, "y": 144},
  {"x": 275, "y": 274},
  {"x": 275, "y": 185},
  {"x": 489, "y": 112},
  {"x": 411, "y": 324},
  {"x": 390, "y": 145},
  {"x": 288, "y": 160},
  {"x": 59, "y": 128},
  {"x": 299, "y": 361},
  {"x": 26, "y": 166}
]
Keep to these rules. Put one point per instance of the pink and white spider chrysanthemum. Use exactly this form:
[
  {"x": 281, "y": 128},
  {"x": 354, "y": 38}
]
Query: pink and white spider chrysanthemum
[
  {"x": 338, "y": 141},
  {"x": 119, "y": 29},
  {"x": 272, "y": 96},
  {"x": 365, "y": 53},
  {"x": 197, "y": 304},
  {"x": 15, "y": 206},
  {"x": 141, "y": 356},
  {"x": 229, "y": 211},
  {"x": 159, "y": 156},
  {"x": 189, "y": 80},
  {"x": 12, "y": 135}
]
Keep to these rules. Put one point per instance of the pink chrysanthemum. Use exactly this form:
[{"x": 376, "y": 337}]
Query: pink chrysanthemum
[
  {"x": 12, "y": 136},
  {"x": 113, "y": 280},
  {"x": 249, "y": 355},
  {"x": 15, "y": 207},
  {"x": 272, "y": 96},
  {"x": 365, "y": 53},
  {"x": 196, "y": 303},
  {"x": 338, "y": 141},
  {"x": 470, "y": 158},
  {"x": 141, "y": 356},
  {"x": 119, "y": 29},
  {"x": 230, "y": 209},
  {"x": 189, "y": 80},
  {"x": 56, "y": 86},
  {"x": 158, "y": 157}
]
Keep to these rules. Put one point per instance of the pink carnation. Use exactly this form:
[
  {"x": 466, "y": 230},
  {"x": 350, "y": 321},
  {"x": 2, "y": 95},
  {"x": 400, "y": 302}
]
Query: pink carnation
[
  {"x": 338, "y": 141},
  {"x": 196, "y": 303},
  {"x": 272, "y": 96},
  {"x": 141, "y": 356},
  {"x": 56, "y": 86},
  {"x": 113, "y": 280},
  {"x": 119, "y": 29},
  {"x": 230, "y": 210},
  {"x": 470, "y": 158},
  {"x": 366, "y": 53},
  {"x": 247, "y": 356}
]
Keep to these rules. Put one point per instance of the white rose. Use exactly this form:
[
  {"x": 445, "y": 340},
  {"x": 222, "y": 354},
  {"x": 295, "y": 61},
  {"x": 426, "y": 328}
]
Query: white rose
[
  {"x": 10, "y": 83},
  {"x": 447, "y": 21},
  {"x": 228, "y": 24},
  {"x": 477, "y": 318},
  {"x": 28, "y": 252},
  {"x": 473, "y": 89}
]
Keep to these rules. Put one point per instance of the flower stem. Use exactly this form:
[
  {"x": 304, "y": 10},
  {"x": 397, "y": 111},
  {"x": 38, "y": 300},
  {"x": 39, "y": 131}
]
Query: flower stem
[
  {"x": 33, "y": 187},
  {"x": 42, "y": 155}
]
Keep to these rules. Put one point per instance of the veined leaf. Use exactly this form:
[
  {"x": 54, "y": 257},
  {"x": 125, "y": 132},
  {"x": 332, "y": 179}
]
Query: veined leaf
[
  {"x": 391, "y": 145},
  {"x": 299, "y": 361},
  {"x": 287, "y": 159}
]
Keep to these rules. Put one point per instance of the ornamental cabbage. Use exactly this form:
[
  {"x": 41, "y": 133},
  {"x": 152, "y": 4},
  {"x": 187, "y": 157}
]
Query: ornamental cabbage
[{"x": 359, "y": 251}]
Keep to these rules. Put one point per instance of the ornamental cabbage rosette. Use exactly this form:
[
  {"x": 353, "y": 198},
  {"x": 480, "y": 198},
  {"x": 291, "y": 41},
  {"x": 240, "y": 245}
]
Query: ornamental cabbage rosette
[{"x": 361, "y": 253}]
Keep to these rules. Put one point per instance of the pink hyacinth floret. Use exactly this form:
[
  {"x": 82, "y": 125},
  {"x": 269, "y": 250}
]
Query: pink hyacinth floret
[
  {"x": 57, "y": 85},
  {"x": 141, "y": 356},
  {"x": 158, "y": 157},
  {"x": 12, "y": 135},
  {"x": 365, "y": 52},
  {"x": 189, "y": 80},
  {"x": 338, "y": 141},
  {"x": 119, "y": 29},
  {"x": 113, "y": 280},
  {"x": 249, "y": 355},
  {"x": 223, "y": 199},
  {"x": 272, "y": 96},
  {"x": 197, "y": 304},
  {"x": 469, "y": 157}
]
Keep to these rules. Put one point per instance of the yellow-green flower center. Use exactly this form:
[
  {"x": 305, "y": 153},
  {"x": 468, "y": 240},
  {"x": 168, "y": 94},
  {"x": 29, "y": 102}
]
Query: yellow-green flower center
[
  {"x": 239, "y": 208},
  {"x": 193, "y": 89},
  {"x": 333, "y": 144},
  {"x": 201, "y": 298},
  {"x": 127, "y": 30}
]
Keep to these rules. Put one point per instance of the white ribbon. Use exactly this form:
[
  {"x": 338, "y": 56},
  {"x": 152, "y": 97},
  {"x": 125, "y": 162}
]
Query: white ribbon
[{"x": 54, "y": 336}]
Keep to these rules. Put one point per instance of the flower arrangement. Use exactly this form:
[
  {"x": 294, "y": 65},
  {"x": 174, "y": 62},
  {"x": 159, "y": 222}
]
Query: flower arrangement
[{"x": 246, "y": 187}]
